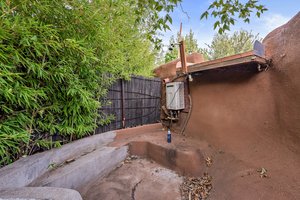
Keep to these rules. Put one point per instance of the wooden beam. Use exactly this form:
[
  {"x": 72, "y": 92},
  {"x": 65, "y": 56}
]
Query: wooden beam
[{"x": 239, "y": 59}]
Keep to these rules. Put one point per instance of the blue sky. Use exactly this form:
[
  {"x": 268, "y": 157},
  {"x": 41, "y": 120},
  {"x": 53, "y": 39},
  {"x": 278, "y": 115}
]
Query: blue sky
[{"x": 279, "y": 12}]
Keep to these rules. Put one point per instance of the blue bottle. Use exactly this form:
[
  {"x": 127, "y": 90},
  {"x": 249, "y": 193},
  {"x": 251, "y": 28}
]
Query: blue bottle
[{"x": 169, "y": 136}]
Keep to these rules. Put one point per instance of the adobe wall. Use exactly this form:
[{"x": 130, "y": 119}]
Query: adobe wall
[
  {"x": 168, "y": 70},
  {"x": 251, "y": 120},
  {"x": 255, "y": 116}
]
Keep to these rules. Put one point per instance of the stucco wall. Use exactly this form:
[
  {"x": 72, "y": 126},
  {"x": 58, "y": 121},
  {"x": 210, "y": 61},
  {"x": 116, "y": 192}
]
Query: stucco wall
[
  {"x": 252, "y": 120},
  {"x": 255, "y": 116}
]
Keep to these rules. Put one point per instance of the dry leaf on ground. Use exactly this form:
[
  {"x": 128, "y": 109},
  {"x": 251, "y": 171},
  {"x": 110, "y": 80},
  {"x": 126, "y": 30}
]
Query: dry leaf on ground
[{"x": 194, "y": 188}]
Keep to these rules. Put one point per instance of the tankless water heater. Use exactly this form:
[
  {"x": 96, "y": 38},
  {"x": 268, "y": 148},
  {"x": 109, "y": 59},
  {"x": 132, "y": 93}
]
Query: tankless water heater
[{"x": 175, "y": 95}]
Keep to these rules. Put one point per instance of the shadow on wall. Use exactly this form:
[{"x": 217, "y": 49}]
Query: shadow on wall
[{"x": 232, "y": 75}]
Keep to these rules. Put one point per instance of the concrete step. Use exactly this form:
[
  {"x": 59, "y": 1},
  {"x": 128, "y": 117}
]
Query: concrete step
[
  {"x": 26, "y": 170},
  {"x": 76, "y": 174},
  {"x": 35, "y": 193}
]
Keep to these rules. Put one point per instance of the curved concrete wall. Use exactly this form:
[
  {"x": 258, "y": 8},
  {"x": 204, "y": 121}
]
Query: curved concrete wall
[
  {"x": 26, "y": 170},
  {"x": 186, "y": 163}
]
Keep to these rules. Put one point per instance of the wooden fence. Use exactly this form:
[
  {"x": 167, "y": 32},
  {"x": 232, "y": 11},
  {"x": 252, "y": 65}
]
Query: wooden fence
[{"x": 133, "y": 103}]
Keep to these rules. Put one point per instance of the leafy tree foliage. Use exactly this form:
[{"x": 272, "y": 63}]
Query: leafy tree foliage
[
  {"x": 191, "y": 46},
  {"x": 191, "y": 43},
  {"x": 172, "y": 53},
  {"x": 57, "y": 59},
  {"x": 225, "y": 12},
  {"x": 226, "y": 45}
]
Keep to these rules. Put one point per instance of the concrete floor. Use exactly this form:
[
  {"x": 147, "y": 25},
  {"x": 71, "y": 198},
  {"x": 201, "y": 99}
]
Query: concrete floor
[
  {"x": 136, "y": 179},
  {"x": 232, "y": 177}
]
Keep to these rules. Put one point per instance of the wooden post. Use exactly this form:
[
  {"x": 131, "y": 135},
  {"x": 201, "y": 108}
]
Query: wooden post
[
  {"x": 179, "y": 40},
  {"x": 183, "y": 57},
  {"x": 122, "y": 104}
]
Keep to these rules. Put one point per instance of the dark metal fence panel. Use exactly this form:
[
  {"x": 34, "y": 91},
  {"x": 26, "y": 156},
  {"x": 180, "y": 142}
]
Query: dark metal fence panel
[{"x": 133, "y": 103}]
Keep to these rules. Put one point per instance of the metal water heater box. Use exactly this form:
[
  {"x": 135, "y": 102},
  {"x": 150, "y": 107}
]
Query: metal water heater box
[{"x": 175, "y": 95}]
